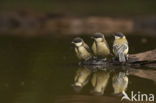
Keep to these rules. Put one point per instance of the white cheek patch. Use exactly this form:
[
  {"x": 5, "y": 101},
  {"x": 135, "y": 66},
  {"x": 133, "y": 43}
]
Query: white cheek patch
[
  {"x": 78, "y": 44},
  {"x": 116, "y": 37},
  {"x": 99, "y": 39},
  {"x": 124, "y": 37}
]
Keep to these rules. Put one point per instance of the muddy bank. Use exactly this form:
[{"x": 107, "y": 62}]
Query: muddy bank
[{"x": 28, "y": 23}]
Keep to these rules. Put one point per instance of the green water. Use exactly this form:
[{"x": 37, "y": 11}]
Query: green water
[{"x": 42, "y": 70}]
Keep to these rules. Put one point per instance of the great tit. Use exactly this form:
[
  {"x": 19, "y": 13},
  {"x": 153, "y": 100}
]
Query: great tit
[
  {"x": 100, "y": 46},
  {"x": 81, "y": 48},
  {"x": 120, "y": 47}
]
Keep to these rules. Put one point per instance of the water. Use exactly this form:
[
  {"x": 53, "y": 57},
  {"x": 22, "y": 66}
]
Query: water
[{"x": 42, "y": 70}]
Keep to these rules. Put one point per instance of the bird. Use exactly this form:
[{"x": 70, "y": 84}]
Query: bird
[
  {"x": 120, "y": 83},
  {"x": 100, "y": 46},
  {"x": 99, "y": 81},
  {"x": 81, "y": 78},
  {"x": 82, "y": 50},
  {"x": 120, "y": 47}
]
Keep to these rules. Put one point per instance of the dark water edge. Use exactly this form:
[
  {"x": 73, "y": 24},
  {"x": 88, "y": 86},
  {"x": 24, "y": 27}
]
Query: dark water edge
[{"x": 41, "y": 70}]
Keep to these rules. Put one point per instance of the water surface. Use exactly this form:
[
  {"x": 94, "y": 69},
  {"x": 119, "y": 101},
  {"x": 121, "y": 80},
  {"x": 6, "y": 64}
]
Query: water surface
[{"x": 42, "y": 70}]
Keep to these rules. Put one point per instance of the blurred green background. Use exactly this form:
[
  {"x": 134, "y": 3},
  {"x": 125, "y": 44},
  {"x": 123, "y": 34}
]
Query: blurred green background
[
  {"x": 84, "y": 7},
  {"x": 35, "y": 17}
]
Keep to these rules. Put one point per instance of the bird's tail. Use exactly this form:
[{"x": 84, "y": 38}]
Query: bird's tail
[{"x": 122, "y": 57}]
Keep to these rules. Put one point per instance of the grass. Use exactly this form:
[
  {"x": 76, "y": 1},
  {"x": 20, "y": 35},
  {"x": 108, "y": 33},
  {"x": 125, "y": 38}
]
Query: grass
[{"x": 85, "y": 8}]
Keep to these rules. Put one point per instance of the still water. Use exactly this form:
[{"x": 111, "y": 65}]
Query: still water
[{"x": 45, "y": 70}]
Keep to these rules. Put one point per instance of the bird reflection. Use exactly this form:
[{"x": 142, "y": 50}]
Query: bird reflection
[
  {"x": 119, "y": 82},
  {"x": 81, "y": 78},
  {"x": 99, "y": 81}
]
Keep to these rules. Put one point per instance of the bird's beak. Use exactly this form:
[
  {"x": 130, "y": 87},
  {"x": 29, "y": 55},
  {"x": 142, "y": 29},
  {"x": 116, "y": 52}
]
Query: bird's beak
[{"x": 72, "y": 42}]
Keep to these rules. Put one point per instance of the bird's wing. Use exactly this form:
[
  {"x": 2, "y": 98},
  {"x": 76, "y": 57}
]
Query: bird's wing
[
  {"x": 94, "y": 48},
  {"x": 118, "y": 49},
  {"x": 87, "y": 48},
  {"x": 107, "y": 44}
]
